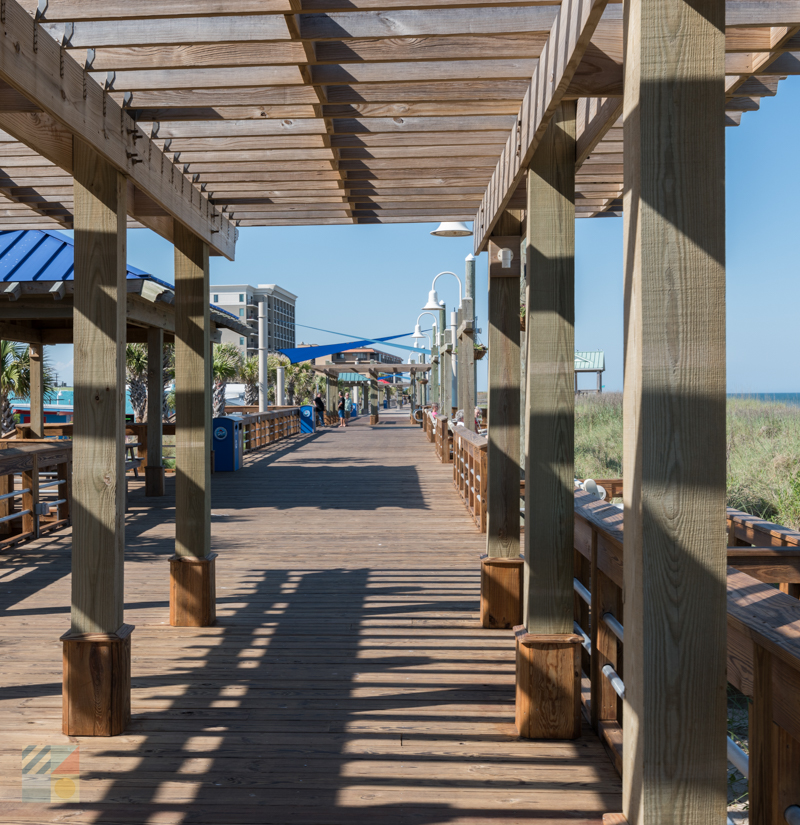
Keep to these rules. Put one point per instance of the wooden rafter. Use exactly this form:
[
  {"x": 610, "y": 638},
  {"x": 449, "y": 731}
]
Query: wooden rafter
[{"x": 350, "y": 111}]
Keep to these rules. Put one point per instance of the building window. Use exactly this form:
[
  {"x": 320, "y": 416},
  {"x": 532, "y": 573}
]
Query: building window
[
  {"x": 216, "y": 299},
  {"x": 241, "y": 298},
  {"x": 241, "y": 313},
  {"x": 241, "y": 342}
]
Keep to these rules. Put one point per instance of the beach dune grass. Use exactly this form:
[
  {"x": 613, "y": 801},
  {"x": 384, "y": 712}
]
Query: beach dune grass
[{"x": 763, "y": 452}]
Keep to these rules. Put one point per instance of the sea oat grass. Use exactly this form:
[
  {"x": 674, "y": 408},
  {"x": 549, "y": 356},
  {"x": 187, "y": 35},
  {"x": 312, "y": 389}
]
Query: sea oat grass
[{"x": 763, "y": 452}]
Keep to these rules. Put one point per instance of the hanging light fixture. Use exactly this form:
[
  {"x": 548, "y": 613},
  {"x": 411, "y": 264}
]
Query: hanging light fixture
[
  {"x": 418, "y": 332},
  {"x": 433, "y": 302},
  {"x": 452, "y": 229}
]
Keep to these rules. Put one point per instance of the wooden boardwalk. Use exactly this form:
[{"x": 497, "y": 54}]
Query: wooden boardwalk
[{"x": 347, "y": 679}]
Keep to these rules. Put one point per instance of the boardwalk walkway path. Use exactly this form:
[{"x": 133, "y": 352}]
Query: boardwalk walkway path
[{"x": 347, "y": 679}]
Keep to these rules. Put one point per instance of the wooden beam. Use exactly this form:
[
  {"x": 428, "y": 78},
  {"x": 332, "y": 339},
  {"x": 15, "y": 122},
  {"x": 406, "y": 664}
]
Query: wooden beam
[
  {"x": 37, "y": 67},
  {"x": 154, "y": 470},
  {"x": 502, "y": 513},
  {"x": 568, "y": 40},
  {"x": 595, "y": 119},
  {"x": 36, "y": 356},
  {"x": 674, "y": 413},
  {"x": 549, "y": 394},
  {"x": 192, "y": 398},
  {"x": 98, "y": 478}
]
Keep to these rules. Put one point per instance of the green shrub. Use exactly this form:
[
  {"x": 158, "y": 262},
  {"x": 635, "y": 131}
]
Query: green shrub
[{"x": 763, "y": 452}]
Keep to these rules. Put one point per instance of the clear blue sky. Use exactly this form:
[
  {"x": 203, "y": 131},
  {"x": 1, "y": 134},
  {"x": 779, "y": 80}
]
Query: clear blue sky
[{"x": 373, "y": 280}]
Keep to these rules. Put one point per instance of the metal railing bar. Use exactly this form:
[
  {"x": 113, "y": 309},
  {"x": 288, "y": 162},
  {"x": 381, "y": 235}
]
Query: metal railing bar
[
  {"x": 15, "y": 515},
  {"x": 586, "y": 644},
  {"x": 614, "y": 678},
  {"x": 15, "y": 494},
  {"x": 738, "y": 758},
  {"x": 792, "y": 815},
  {"x": 582, "y": 591},
  {"x": 614, "y": 626},
  {"x": 52, "y": 483}
]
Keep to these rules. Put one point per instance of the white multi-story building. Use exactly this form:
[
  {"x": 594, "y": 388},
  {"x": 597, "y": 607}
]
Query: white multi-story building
[{"x": 243, "y": 300}]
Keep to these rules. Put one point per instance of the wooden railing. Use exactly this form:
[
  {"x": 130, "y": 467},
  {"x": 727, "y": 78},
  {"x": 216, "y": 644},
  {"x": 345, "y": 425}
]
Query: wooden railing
[
  {"x": 443, "y": 440},
  {"x": 763, "y": 651},
  {"x": 264, "y": 428},
  {"x": 35, "y": 489},
  {"x": 469, "y": 472}
]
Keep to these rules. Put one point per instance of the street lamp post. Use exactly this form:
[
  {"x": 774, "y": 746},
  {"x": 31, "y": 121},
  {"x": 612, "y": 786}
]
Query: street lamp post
[{"x": 449, "y": 381}]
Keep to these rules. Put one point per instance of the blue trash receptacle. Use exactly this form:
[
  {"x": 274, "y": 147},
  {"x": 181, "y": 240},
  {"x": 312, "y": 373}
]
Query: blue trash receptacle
[
  {"x": 308, "y": 422},
  {"x": 385, "y": 403},
  {"x": 228, "y": 443}
]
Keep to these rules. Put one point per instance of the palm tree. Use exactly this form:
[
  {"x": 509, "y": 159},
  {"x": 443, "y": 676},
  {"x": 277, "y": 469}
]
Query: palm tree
[
  {"x": 136, "y": 379},
  {"x": 15, "y": 377},
  {"x": 168, "y": 367},
  {"x": 227, "y": 361},
  {"x": 10, "y": 379},
  {"x": 248, "y": 373}
]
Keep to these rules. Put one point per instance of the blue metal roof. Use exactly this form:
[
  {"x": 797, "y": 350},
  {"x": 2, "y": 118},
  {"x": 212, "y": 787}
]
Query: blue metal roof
[{"x": 47, "y": 255}]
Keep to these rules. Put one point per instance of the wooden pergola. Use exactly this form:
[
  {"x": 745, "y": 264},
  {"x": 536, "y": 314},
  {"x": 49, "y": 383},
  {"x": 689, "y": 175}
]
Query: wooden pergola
[
  {"x": 194, "y": 118},
  {"x": 372, "y": 371}
]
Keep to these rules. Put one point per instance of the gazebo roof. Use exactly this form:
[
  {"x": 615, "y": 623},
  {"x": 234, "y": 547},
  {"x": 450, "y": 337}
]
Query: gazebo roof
[{"x": 37, "y": 283}]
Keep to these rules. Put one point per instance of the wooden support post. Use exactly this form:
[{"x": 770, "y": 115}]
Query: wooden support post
[
  {"x": 501, "y": 605},
  {"x": 192, "y": 575},
  {"x": 548, "y": 685},
  {"x": 96, "y": 650},
  {"x": 154, "y": 471},
  {"x": 374, "y": 417},
  {"x": 37, "y": 390},
  {"x": 30, "y": 482},
  {"x": 434, "y": 366},
  {"x": 550, "y": 398},
  {"x": 446, "y": 386},
  {"x": 466, "y": 366},
  {"x": 674, "y": 756}
]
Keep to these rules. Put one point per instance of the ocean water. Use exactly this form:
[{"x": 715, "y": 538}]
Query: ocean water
[
  {"x": 64, "y": 398},
  {"x": 779, "y": 397}
]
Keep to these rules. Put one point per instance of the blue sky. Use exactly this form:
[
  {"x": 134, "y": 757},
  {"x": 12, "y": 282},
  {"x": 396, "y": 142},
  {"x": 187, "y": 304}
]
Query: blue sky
[{"x": 373, "y": 280}]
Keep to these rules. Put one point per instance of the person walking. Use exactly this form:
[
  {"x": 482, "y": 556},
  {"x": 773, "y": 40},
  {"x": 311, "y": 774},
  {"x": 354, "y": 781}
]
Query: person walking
[
  {"x": 319, "y": 409},
  {"x": 340, "y": 410},
  {"x": 348, "y": 408}
]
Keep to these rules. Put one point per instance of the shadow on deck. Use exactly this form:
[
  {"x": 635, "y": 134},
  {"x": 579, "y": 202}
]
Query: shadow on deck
[{"x": 347, "y": 679}]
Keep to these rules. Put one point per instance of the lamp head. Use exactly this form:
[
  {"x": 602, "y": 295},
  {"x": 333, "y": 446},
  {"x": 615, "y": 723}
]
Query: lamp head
[
  {"x": 433, "y": 302},
  {"x": 417, "y": 332},
  {"x": 452, "y": 229}
]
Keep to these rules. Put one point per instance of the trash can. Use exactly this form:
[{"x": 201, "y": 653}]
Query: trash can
[
  {"x": 308, "y": 422},
  {"x": 228, "y": 443},
  {"x": 354, "y": 411},
  {"x": 385, "y": 403}
]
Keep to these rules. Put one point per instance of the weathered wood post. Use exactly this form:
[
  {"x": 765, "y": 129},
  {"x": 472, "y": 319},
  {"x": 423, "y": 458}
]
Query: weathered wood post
[
  {"x": 192, "y": 568},
  {"x": 501, "y": 567},
  {"x": 434, "y": 379},
  {"x": 446, "y": 387},
  {"x": 466, "y": 363},
  {"x": 373, "y": 397},
  {"x": 674, "y": 755},
  {"x": 36, "y": 358},
  {"x": 154, "y": 471},
  {"x": 549, "y": 708},
  {"x": 97, "y": 648}
]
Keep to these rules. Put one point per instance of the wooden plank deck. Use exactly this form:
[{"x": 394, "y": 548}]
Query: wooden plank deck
[{"x": 347, "y": 679}]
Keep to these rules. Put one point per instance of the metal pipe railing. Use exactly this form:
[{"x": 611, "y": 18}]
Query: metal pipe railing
[
  {"x": 582, "y": 591},
  {"x": 14, "y": 494},
  {"x": 586, "y": 644},
  {"x": 792, "y": 815},
  {"x": 738, "y": 758},
  {"x": 614, "y": 678},
  {"x": 15, "y": 515},
  {"x": 614, "y": 626}
]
